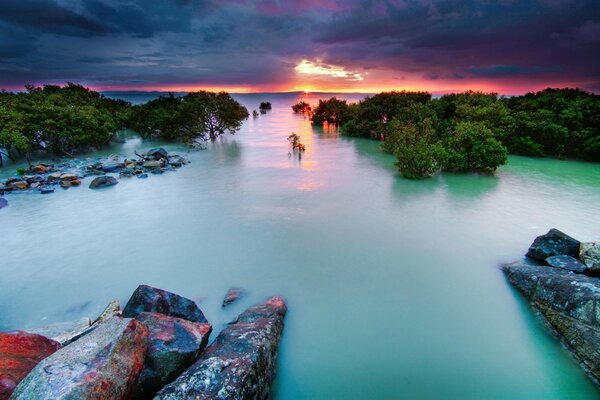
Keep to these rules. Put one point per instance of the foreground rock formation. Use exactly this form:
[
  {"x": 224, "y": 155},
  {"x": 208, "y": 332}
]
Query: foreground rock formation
[
  {"x": 240, "y": 364},
  {"x": 565, "y": 291},
  {"x": 162, "y": 336}
]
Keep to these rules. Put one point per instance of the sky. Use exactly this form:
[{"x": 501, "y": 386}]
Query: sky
[{"x": 504, "y": 46}]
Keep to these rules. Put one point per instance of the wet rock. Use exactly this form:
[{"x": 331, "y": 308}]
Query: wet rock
[
  {"x": 46, "y": 190},
  {"x": 111, "y": 167},
  {"x": 68, "y": 177},
  {"x": 568, "y": 301},
  {"x": 39, "y": 169},
  {"x": 566, "y": 262},
  {"x": 113, "y": 309},
  {"x": 3, "y": 202},
  {"x": 157, "y": 153},
  {"x": 553, "y": 243},
  {"x": 173, "y": 345},
  {"x": 64, "y": 332},
  {"x": 54, "y": 176},
  {"x": 152, "y": 164},
  {"x": 240, "y": 364},
  {"x": 126, "y": 173},
  {"x": 142, "y": 176},
  {"x": 103, "y": 181},
  {"x": 65, "y": 184},
  {"x": 105, "y": 364},
  {"x": 20, "y": 352},
  {"x": 149, "y": 299},
  {"x": 34, "y": 185},
  {"x": 589, "y": 254},
  {"x": 232, "y": 295},
  {"x": 17, "y": 185},
  {"x": 35, "y": 179}
]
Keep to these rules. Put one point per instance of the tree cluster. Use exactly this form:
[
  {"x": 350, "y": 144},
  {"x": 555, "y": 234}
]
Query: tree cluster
[{"x": 471, "y": 131}]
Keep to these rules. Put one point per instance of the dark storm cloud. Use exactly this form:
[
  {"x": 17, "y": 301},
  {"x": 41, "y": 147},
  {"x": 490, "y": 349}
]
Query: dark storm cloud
[{"x": 259, "y": 42}]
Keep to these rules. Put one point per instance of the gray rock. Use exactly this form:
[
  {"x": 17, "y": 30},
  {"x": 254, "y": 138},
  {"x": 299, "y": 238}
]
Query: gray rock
[
  {"x": 569, "y": 303},
  {"x": 589, "y": 254},
  {"x": 240, "y": 364},
  {"x": 553, "y": 243},
  {"x": 150, "y": 299},
  {"x": 103, "y": 181},
  {"x": 173, "y": 345},
  {"x": 113, "y": 309},
  {"x": 64, "y": 332},
  {"x": 566, "y": 262},
  {"x": 152, "y": 164},
  {"x": 111, "y": 167},
  {"x": 104, "y": 364},
  {"x": 157, "y": 153}
]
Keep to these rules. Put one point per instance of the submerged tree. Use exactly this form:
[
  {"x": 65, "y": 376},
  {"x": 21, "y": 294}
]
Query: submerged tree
[
  {"x": 301, "y": 107},
  {"x": 332, "y": 111},
  {"x": 264, "y": 106}
]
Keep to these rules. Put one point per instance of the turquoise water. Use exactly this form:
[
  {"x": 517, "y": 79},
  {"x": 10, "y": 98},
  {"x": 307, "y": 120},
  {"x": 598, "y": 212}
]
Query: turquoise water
[{"x": 392, "y": 285}]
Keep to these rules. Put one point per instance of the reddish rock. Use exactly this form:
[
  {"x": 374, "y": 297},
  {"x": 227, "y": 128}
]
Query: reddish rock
[
  {"x": 39, "y": 169},
  {"x": 240, "y": 364},
  {"x": 18, "y": 185},
  {"x": 150, "y": 299},
  {"x": 173, "y": 345},
  {"x": 232, "y": 295},
  {"x": 104, "y": 364},
  {"x": 20, "y": 352}
]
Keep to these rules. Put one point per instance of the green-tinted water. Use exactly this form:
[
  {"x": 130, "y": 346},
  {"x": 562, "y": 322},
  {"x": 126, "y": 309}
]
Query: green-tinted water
[{"x": 392, "y": 285}]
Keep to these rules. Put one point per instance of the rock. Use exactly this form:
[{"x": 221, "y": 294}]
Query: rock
[
  {"x": 34, "y": 179},
  {"x": 157, "y": 153},
  {"x": 142, "y": 176},
  {"x": 34, "y": 185},
  {"x": 64, "y": 332},
  {"x": 105, "y": 364},
  {"x": 568, "y": 302},
  {"x": 152, "y": 164},
  {"x": 149, "y": 299},
  {"x": 3, "y": 202},
  {"x": 20, "y": 352},
  {"x": 113, "y": 309},
  {"x": 17, "y": 185},
  {"x": 46, "y": 190},
  {"x": 126, "y": 173},
  {"x": 103, "y": 181},
  {"x": 157, "y": 171},
  {"x": 54, "y": 176},
  {"x": 39, "y": 169},
  {"x": 553, "y": 243},
  {"x": 589, "y": 254},
  {"x": 240, "y": 364},
  {"x": 173, "y": 345},
  {"x": 65, "y": 184},
  {"x": 232, "y": 295},
  {"x": 111, "y": 167},
  {"x": 68, "y": 177},
  {"x": 566, "y": 262},
  {"x": 75, "y": 182}
]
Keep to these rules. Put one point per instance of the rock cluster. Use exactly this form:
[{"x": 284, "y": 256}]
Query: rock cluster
[
  {"x": 560, "y": 280},
  {"x": 44, "y": 178},
  {"x": 158, "y": 344}
]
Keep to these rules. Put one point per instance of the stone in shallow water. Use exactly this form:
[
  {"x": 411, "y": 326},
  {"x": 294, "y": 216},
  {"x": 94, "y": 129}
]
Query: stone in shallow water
[
  {"x": 232, "y": 295},
  {"x": 103, "y": 181},
  {"x": 568, "y": 301},
  {"x": 553, "y": 243},
  {"x": 173, "y": 345},
  {"x": 105, "y": 364},
  {"x": 20, "y": 352},
  {"x": 589, "y": 254},
  {"x": 157, "y": 153},
  {"x": 240, "y": 364},
  {"x": 566, "y": 262},
  {"x": 150, "y": 299}
]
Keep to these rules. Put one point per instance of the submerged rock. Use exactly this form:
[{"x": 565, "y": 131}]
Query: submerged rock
[
  {"x": 149, "y": 299},
  {"x": 173, "y": 345},
  {"x": 589, "y": 254},
  {"x": 566, "y": 262},
  {"x": 103, "y": 181},
  {"x": 105, "y": 364},
  {"x": 568, "y": 302},
  {"x": 232, "y": 295},
  {"x": 553, "y": 243},
  {"x": 20, "y": 352},
  {"x": 3, "y": 202},
  {"x": 240, "y": 364}
]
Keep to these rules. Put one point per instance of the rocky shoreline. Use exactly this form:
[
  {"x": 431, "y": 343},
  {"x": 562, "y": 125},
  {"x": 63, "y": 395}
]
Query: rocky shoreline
[
  {"x": 156, "y": 347},
  {"x": 560, "y": 279},
  {"x": 45, "y": 178}
]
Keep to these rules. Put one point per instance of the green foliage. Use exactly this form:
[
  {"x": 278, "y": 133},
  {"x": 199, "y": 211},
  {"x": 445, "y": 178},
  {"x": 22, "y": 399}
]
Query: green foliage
[
  {"x": 301, "y": 107},
  {"x": 332, "y": 111},
  {"x": 194, "y": 117}
]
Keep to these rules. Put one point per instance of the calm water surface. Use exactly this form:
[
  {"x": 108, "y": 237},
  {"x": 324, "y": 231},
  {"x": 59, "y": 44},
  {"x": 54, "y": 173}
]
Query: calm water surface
[{"x": 392, "y": 285}]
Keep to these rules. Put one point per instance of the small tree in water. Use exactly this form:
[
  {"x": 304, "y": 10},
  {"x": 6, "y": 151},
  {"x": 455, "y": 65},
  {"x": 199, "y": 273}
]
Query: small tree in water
[{"x": 296, "y": 145}]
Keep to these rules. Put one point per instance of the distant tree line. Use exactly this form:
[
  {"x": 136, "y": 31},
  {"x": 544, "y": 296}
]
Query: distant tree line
[
  {"x": 470, "y": 131},
  {"x": 64, "y": 120}
]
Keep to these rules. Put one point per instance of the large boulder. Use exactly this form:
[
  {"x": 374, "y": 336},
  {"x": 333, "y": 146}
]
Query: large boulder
[
  {"x": 105, "y": 364},
  {"x": 20, "y": 352},
  {"x": 553, "y": 243},
  {"x": 240, "y": 364},
  {"x": 150, "y": 299},
  {"x": 173, "y": 345},
  {"x": 103, "y": 181},
  {"x": 568, "y": 301},
  {"x": 589, "y": 254},
  {"x": 157, "y": 153},
  {"x": 566, "y": 262}
]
